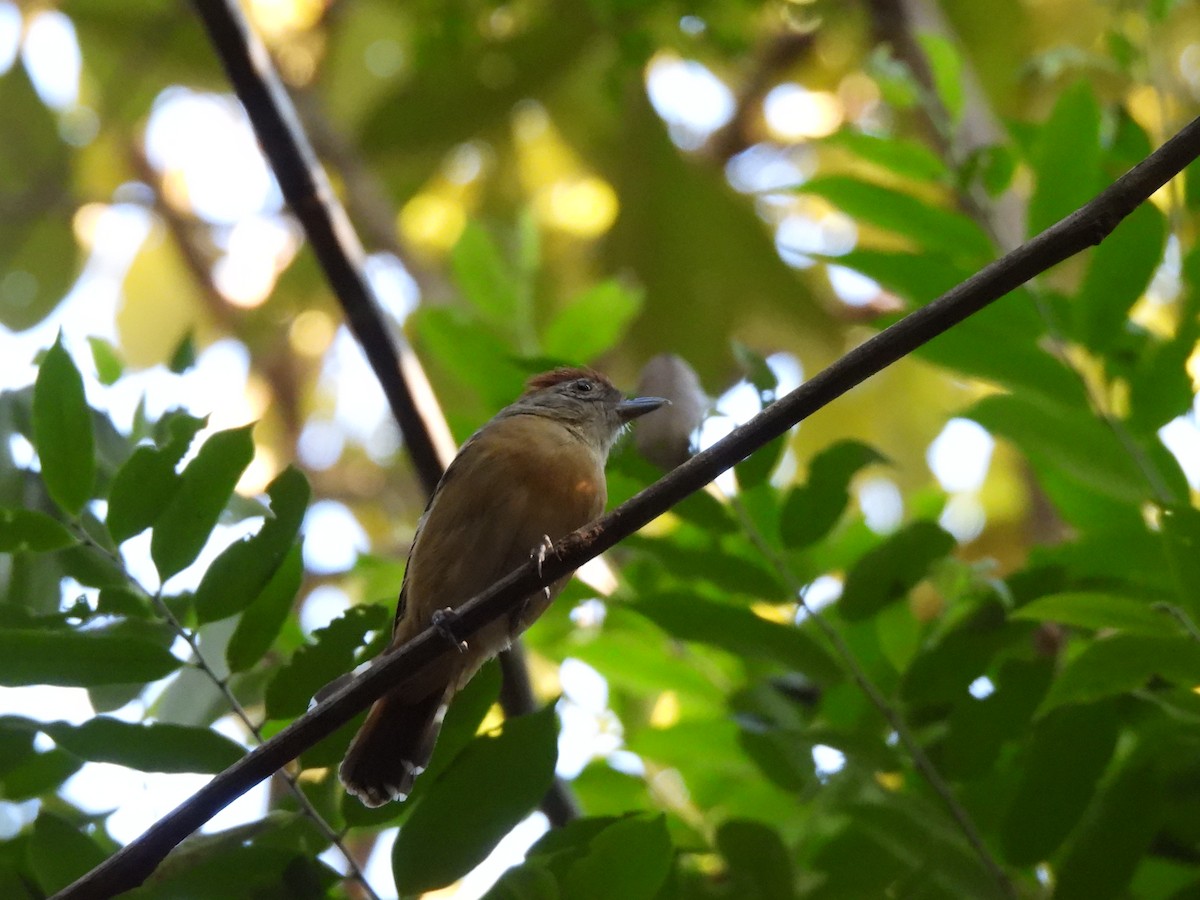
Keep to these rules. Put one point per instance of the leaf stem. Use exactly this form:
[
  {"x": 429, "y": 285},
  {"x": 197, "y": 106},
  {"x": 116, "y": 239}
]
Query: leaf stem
[{"x": 895, "y": 720}]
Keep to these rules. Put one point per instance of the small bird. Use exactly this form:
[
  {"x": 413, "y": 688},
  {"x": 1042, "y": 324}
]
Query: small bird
[{"x": 531, "y": 475}]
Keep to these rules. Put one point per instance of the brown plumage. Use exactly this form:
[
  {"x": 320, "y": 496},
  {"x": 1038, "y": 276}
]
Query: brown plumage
[{"x": 536, "y": 470}]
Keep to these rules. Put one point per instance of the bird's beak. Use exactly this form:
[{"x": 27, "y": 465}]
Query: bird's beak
[{"x": 631, "y": 408}]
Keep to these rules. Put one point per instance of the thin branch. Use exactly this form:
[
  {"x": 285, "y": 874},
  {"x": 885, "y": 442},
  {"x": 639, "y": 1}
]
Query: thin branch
[
  {"x": 924, "y": 765},
  {"x": 340, "y": 252},
  {"x": 131, "y": 865}
]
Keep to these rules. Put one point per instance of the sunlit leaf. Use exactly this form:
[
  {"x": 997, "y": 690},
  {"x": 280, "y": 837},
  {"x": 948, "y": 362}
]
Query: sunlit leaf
[
  {"x": 108, "y": 363},
  {"x": 737, "y": 629},
  {"x": 928, "y": 225},
  {"x": 1066, "y": 158},
  {"x": 591, "y": 323},
  {"x": 485, "y": 280},
  {"x": 945, "y": 64}
]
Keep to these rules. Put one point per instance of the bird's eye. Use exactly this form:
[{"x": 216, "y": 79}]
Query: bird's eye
[{"x": 583, "y": 386}]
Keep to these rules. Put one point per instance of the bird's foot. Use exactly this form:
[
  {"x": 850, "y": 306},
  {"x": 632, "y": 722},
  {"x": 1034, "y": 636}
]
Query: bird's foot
[
  {"x": 443, "y": 620},
  {"x": 539, "y": 557},
  {"x": 517, "y": 621}
]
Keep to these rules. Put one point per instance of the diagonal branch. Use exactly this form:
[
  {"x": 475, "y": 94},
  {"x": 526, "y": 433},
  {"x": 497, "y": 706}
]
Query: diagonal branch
[{"x": 131, "y": 865}]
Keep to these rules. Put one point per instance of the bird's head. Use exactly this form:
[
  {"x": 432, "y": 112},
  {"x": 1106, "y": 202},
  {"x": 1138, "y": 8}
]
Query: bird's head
[{"x": 585, "y": 401}]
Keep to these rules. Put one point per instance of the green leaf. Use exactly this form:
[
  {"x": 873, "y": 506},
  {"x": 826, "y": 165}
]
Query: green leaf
[
  {"x": 485, "y": 792},
  {"x": 1068, "y": 753},
  {"x": 906, "y": 158},
  {"x": 62, "y": 431},
  {"x": 108, "y": 363},
  {"x": 978, "y": 729},
  {"x": 1066, "y": 158},
  {"x": 470, "y": 352},
  {"x": 1124, "y": 663},
  {"x": 1181, "y": 528},
  {"x": 38, "y": 253},
  {"x": 811, "y": 511},
  {"x": 929, "y": 845},
  {"x": 40, "y": 773},
  {"x": 759, "y": 863},
  {"x": 1108, "y": 848},
  {"x": 888, "y": 572},
  {"x": 79, "y": 659},
  {"x": 757, "y": 370},
  {"x": 145, "y": 484},
  {"x": 945, "y": 65},
  {"x": 59, "y": 853},
  {"x": 630, "y": 859},
  {"x": 264, "y": 618},
  {"x": 1095, "y": 610},
  {"x": 484, "y": 279},
  {"x": 467, "y": 712},
  {"x": 688, "y": 617},
  {"x": 592, "y": 323},
  {"x": 205, "y": 486},
  {"x": 934, "y": 228},
  {"x": 28, "y": 529},
  {"x": 756, "y": 468},
  {"x": 183, "y": 357},
  {"x": 244, "y": 569},
  {"x": 157, "y": 747},
  {"x": 315, "y": 665},
  {"x": 1119, "y": 272}
]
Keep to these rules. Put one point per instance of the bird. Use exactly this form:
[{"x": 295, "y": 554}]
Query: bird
[{"x": 530, "y": 475}]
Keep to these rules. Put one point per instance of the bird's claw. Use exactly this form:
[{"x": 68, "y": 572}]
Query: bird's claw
[
  {"x": 443, "y": 620},
  {"x": 539, "y": 557}
]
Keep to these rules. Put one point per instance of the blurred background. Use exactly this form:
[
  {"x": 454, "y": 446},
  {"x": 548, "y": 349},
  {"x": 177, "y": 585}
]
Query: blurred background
[{"x": 754, "y": 187}]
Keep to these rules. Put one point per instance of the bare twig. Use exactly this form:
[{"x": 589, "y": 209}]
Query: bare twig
[{"x": 1083, "y": 228}]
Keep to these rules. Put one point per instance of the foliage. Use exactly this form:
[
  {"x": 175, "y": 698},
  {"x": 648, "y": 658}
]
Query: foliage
[{"x": 1045, "y": 663}]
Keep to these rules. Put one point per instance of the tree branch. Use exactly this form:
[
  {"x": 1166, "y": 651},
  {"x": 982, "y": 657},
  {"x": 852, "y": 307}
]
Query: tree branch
[
  {"x": 339, "y": 251},
  {"x": 131, "y": 865}
]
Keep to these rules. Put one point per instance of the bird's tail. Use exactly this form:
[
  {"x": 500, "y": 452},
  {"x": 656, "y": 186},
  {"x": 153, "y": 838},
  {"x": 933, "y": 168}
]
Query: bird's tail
[{"x": 393, "y": 746}]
